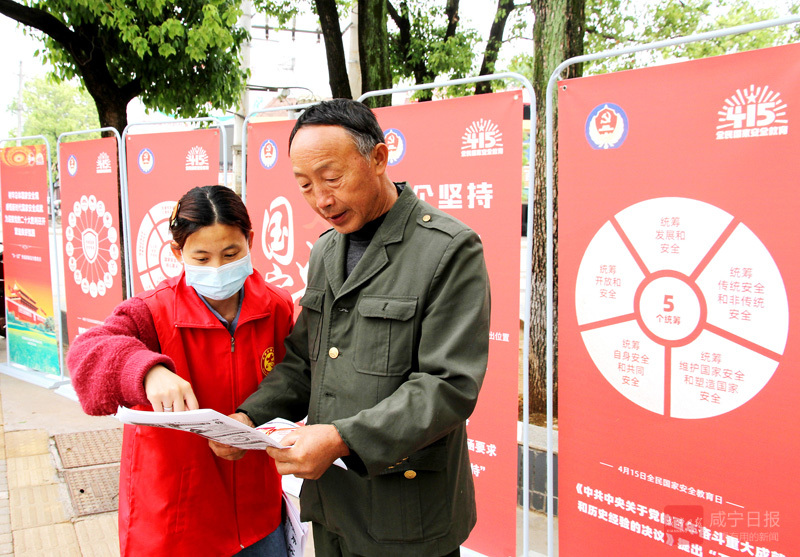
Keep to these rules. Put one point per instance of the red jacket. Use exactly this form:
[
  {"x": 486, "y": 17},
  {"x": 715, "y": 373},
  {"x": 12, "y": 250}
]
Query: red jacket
[{"x": 176, "y": 497}]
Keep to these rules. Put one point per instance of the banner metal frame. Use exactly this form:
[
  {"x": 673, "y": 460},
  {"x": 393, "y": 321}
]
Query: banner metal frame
[
  {"x": 66, "y": 389},
  {"x": 549, "y": 165},
  {"x": 124, "y": 182}
]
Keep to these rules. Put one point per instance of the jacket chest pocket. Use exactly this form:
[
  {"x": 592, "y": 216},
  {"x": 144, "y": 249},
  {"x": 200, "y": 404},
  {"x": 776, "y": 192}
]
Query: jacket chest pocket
[
  {"x": 385, "y": 335},
  {"x": 312, "y": 302}
]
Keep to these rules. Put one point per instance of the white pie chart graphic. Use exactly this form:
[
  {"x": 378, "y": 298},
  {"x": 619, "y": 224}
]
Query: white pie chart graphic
[
  {"x": 91, "y": 246},
  {"x": 154, "y": 259},
  {"x": 681, "y": 308}
]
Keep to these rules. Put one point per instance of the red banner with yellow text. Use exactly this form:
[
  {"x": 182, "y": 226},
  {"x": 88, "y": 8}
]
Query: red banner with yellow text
[
  {"x": 30, "y": 314},
  {"x": 463, "y": 156},
  {"x": 161, "y": 167},
  {"x": 91, "y": 231},
  {"x": 678, "y": 277}
]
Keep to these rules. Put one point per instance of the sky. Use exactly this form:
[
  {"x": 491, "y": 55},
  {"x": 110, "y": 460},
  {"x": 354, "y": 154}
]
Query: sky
[{"x": 307, "y": 69}]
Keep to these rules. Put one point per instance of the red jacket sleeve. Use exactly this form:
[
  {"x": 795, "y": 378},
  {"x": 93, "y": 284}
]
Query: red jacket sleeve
[{"x": 107, "y": 363}]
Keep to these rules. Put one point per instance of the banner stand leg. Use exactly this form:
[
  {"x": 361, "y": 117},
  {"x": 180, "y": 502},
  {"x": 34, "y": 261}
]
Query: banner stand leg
[
  {"x": 67, "y": 390},
  {"x": 35, "y": 377}
]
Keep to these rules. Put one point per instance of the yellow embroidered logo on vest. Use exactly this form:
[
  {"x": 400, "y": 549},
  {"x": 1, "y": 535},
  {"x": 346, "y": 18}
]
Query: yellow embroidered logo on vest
[{"x": 267, "y": 360}]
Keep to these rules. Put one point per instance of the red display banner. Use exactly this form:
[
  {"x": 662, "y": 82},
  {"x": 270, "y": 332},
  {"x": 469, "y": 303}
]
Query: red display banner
[
  {"x": 471, "y": 168},
  {"x": 678, "y": 277},
  {"x": 161, "y": 168},
  {"x": 30, "y": 315},
  {"x": 90, "y": 228}
]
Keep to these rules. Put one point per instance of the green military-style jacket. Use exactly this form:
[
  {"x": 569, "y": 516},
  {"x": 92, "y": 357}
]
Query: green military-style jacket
[{"x": 394, "y": 357}]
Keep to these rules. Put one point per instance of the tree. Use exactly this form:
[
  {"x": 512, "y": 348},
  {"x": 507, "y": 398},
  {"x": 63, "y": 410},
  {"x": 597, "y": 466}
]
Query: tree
[
  {"x": 180, "y": 57},
  {"x": 334, "y": 49},
  {"x": 494, "y": 42},
  {"x": 328, "y": 13},
  {"x": 612, "y": 25},
  {"x": 428, "y": 43},
  {"x": 401, "y": 40},
  {"x": 51, "y": 108},
  {"x": 373, "y": 49},
  {"x": 558, "y": 34}
]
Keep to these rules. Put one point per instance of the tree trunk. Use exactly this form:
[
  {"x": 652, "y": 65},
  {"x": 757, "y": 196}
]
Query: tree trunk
[
  {"x": 334, "y": 49},
  {"x": 451, "y": 10},
  {"x": 421, "y": 73},
  {"x": 493, "y": 44},
  {"x": 557, "y": 35},
  {"x": 373, "y": 49}
]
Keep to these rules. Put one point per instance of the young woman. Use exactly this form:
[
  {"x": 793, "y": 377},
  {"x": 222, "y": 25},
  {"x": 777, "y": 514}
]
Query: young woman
[{"x": 202, "y": 340}]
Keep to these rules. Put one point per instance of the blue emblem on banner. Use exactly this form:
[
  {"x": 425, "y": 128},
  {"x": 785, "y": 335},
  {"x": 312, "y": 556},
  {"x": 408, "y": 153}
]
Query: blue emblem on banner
[
  {"x": 396, "y": 142},
  {"x": 146, "y": 160},
  {"x": 606, "y": 126},
  {"x": 268, "y": 154},
  {"x": 72, "y": 165}
]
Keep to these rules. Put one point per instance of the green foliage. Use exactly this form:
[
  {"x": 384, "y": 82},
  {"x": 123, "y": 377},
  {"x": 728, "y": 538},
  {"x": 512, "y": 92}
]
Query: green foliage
[
  {"x": 612, "y": 24},
  {"x": 51, "y": 108},
  {"x": 283, "y": 10},
  {"x": 184, "y": 54},
  {"x": 609, "y": 25},
  {"x": 523, "y": 65},
  {"x": 32, "y": 346},
  {"x": 452, "y": 58}
]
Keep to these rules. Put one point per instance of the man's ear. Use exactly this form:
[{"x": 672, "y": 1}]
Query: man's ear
[
  {"x": 250, "y": 240},
  {"x": 380, "y": 158},
  {"x": 176, "y": 250}
]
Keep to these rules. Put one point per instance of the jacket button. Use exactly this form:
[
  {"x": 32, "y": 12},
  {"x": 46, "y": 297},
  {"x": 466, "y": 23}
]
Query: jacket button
[
  {"x": 410, "y": 474},
  {"x": 426, "y": 218},
  {"x": 333, "y": 352}
]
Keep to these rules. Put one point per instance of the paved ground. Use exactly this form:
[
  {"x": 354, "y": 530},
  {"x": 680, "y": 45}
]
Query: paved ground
[{"x": 37, "y": 515}]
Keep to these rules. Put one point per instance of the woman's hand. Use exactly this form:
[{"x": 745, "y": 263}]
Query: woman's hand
[
  {"x": 226, "y": 451},
  {"x": 168, "y": 392}
]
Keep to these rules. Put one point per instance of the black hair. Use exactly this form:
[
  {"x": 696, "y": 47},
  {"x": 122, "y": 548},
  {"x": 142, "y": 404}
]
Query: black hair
[
  {"x": 205, "y": 206},
  {"x": 356, "y": 118}
]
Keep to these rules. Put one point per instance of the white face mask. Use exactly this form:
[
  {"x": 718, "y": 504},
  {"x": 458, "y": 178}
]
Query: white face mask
[{"x": 219, "y": 283}]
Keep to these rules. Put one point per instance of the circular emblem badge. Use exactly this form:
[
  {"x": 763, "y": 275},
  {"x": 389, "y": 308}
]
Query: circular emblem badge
[
  {"x": 154, "y": 259},
  {"x": 267, "y": 360},
  {"x": 396, "y": 143},
  {"x": 91, "y": 246},
  {"x": 606, "y": 126},
  {"x": 146, "y": 160},
  {"x": 268, "y": 154},
  {"x": 72, "y": 165}
]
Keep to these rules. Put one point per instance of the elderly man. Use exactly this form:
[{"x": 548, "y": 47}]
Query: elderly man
[{"x": 387, "y": 356}]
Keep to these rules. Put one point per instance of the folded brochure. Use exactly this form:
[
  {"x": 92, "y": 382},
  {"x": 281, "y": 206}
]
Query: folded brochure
[{"x": 211, "y": 424}]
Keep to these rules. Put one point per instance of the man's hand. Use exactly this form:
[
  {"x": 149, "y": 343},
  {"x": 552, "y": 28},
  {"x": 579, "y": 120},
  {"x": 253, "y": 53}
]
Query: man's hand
[
  {"x": 226, "y": 451},
  {"x": 312, "y": 449}
]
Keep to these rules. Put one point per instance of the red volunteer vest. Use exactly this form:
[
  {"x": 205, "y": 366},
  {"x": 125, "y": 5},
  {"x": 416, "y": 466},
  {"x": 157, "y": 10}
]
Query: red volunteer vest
[{"x": 176, "y": 497}]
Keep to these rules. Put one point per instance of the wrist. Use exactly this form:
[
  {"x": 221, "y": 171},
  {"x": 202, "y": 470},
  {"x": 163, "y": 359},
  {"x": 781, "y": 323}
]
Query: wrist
[
  {"x": 343, "y": 448},
  {"x": 246, "y": 418}
]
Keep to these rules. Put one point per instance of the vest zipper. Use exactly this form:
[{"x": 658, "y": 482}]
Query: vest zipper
[{"x": 234, "y": 468}]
